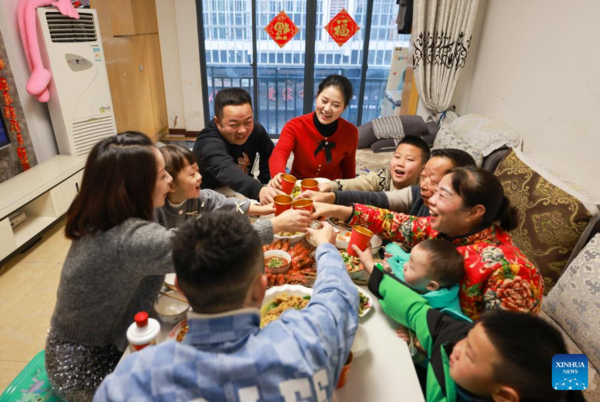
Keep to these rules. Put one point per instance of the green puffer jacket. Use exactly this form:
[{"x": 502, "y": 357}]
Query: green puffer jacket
[{"x": 437, "y": 332}]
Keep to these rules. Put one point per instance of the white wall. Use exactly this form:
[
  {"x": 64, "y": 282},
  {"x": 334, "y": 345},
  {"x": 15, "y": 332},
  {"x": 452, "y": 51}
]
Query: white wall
[
  {"x": 36, "y": 113},
  {"x": 187, "y": 31},
  {"x": 536, "y": 70},
  {"x": 178, "y": 30},
  {"x": 169, "y": 48}
]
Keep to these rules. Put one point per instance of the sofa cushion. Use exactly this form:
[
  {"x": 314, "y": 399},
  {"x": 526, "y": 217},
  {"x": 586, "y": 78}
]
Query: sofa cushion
[
  {"x": 447, "y": 138},
  {"x": 384, "y": 145},
  {"x": 394, "y": 127},
  {"x": 554, "y": 220},
  {"x": 366, "y": 135},
  {"x": 592, "y": 393},
  {"x": 491, "y": 162},
  {"x": 485, "y": 134},
  {"x": 574, "y": 302}
]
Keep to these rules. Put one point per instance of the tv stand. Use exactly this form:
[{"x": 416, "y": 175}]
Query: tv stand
[{"x": 44, "y": 193}]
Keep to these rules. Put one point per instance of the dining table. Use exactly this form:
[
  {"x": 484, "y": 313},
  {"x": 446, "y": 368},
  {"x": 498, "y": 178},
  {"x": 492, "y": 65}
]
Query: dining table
[{"x": 384, "y": 372}]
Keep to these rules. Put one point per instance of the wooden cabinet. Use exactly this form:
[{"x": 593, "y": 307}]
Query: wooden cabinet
[
  {"x": 133, "y": 17},
  {"x": 132, "y": 50},
  {"x": 44, "y": 194}
]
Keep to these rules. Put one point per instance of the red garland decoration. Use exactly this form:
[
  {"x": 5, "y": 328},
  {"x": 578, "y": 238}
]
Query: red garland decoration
[
  {"x": 11, "y": 115},
  {"x": 342, "y": 27},
  {"x": 282, "y": 29}
]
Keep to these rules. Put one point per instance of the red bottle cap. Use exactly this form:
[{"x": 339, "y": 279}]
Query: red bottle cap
[{"x": 141, "y": 319}]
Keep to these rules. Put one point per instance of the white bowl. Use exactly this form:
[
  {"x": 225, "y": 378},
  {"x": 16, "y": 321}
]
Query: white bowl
[
  {"x": 343, "y": 237},
  {"x": 278, "y": 253},
  {"x": 361, "y": 341},
  {"x": 170, "y": 279},
  {"x": 170, "y": 310}
]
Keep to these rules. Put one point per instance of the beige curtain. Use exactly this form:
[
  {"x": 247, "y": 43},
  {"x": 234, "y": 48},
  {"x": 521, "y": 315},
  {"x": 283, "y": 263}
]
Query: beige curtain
[{"x": 441, "y": 38}]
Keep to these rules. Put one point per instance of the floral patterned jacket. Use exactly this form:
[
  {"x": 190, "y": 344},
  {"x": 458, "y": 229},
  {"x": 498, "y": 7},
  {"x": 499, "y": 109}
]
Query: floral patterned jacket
[{"x": 497, "y": 273}]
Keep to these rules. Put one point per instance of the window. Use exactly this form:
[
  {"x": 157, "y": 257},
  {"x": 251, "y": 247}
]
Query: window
[{"x": 238, "y": 54}]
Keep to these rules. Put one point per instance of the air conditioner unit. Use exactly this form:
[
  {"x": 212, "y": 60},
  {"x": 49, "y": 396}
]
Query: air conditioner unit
[{"x": 80, "y": 103}]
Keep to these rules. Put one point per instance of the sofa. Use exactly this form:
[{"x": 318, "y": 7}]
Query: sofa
[{"x": 559, "y": 228}]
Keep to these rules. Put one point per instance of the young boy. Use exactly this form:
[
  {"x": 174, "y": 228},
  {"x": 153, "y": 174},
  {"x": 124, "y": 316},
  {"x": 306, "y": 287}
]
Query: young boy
[
  {"x": 405, "y": 167},
  {"x": 225, "y": 354},
  {"x": 186, "y": 201},
  {"x": 505, "y": 356},
  {"x": 432, "y": 269}
]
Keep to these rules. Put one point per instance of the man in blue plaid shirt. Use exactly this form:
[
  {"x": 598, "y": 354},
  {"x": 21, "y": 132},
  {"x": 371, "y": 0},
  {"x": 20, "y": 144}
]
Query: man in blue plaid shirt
[{"x": 225, "y": 356}]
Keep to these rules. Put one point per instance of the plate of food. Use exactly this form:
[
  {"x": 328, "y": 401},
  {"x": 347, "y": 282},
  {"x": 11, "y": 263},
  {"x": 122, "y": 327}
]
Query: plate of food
[
  {"x": 354, "y": 267},
  {"x": 278, "y": 299},
  {"x": 293, "y": 237},
  {"x": 365, "y": 303},
  {"x": 343, "y": 237},
  {"x": 339, "y": 224},
  {"x": 179, "y": 332}
]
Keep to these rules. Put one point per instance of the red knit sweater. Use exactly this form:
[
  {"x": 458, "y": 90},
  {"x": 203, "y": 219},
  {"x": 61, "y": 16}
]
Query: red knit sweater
[{"x": 301, "y": 137}]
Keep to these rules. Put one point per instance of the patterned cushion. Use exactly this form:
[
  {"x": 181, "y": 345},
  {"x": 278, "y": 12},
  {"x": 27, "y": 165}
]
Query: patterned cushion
[
  {"x": 553, "y": 221},
  {"x": 574, "y": 303},
  {"x": 447, "y": 138},
  {"x": 593, "y": 391}
]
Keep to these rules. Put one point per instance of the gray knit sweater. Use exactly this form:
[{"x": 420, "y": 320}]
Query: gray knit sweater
[
  {"x": 107, "y": 278},
  {"x": 173, "y": 216}
]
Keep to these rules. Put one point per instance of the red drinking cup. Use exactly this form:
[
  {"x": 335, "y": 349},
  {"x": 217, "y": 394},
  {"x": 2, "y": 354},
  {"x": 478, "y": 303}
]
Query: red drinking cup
[
  {"x": 345, "y": 371},
  {"x": 361, "y": 237},
  {"x": 309, "y": 184},
  {"x": 287, "y": 183},
  {"x": 282, "y": 203},
  {"x": 303, "y": 203}
]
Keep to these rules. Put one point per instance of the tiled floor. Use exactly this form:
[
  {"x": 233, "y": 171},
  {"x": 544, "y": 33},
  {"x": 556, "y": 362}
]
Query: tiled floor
[{"x": 28, "y": 284}]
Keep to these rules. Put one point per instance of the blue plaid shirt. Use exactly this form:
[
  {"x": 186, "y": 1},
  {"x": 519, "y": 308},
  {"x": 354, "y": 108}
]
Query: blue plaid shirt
[{"x": 227, "y": 357}]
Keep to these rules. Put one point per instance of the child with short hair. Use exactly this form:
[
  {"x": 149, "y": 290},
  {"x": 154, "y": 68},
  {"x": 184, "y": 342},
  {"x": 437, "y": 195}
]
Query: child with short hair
[
  {"x": 505, "y": 356},
  {"x": 225, "y": 354},
  {"x": 186, "y": 201},
  {"x": 433, "y": 269},
  {"x": 411, "y": 154}
]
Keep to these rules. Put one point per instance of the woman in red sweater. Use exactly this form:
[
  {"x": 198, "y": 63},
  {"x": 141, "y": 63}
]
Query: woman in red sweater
[{"x": 324, "y": 144}]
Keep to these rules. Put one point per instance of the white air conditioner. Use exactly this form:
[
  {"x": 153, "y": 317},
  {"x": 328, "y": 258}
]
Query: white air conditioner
[{"x": 80, "y": 104}]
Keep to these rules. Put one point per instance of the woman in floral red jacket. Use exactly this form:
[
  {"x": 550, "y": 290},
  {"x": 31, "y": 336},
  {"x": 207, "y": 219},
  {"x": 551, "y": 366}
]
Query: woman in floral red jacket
[{"x": 470, "y": 210}]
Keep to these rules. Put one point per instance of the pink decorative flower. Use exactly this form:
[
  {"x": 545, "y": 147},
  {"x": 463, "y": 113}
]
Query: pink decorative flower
[{"x": 515, "y": 294}]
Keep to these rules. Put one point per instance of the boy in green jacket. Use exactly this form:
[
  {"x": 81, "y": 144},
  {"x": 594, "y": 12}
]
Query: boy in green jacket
[{"x": 505, "y": 356}]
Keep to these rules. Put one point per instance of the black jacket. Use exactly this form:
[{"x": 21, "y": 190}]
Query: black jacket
[{"x": 222, "y": 163}]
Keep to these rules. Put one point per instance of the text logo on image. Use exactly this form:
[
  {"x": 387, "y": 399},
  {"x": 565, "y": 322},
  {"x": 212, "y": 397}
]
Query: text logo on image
[{"x": 570, "y": 372}]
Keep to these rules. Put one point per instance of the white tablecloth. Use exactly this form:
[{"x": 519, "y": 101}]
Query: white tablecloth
[{"x": 385, "y": 372}]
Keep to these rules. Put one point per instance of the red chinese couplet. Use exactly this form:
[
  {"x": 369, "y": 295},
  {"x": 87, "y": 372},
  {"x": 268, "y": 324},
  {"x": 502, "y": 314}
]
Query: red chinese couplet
[
  {"x": 342, "y": 27},
  {"x": 282, "y": 29}
]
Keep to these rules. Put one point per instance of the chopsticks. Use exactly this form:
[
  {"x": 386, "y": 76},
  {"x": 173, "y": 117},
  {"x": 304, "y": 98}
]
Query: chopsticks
[
  {"x": 171, "y": 287},
  {"x": 178, "y": 296},
  {"x": 181, "y": 299}
]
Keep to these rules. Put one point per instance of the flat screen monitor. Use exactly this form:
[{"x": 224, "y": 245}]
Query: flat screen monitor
[{"x": 4, "y": 137}]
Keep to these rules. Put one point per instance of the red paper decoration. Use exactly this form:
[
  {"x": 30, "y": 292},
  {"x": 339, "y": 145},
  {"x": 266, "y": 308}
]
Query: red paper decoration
[
  {"x": 342, "y": 27},
  {"x": 282, "y": 29},
  {"x": 9, "y": 113}
]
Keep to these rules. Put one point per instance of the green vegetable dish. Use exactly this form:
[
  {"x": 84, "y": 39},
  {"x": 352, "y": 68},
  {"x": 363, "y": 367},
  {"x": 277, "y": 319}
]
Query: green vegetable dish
[
  {"x": 363, "y": 303},
  {"x": 275, "y": 262}
]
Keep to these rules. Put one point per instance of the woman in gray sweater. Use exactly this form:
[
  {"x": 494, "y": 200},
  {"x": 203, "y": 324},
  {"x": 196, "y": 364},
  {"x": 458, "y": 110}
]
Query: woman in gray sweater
[{"x": 116, "y": 264}]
